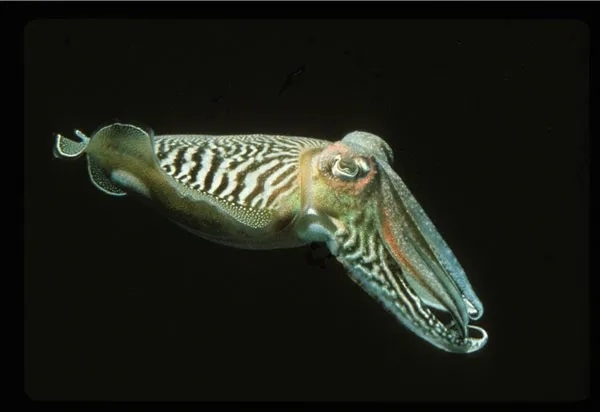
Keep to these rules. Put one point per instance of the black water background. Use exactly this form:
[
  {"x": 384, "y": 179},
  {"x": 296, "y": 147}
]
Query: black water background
[{"x": 489, "y": 125}]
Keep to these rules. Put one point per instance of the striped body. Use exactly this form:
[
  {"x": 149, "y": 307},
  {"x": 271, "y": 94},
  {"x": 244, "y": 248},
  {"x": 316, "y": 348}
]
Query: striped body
[{"x": 253, "y": 171}]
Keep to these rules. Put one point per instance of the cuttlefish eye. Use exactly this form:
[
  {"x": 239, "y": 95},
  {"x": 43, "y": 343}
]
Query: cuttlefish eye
[{"x": 349, "y": 168}]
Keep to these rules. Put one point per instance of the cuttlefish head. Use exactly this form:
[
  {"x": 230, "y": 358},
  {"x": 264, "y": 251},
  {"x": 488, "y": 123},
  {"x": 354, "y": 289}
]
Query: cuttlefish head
[{"x": 354, "y": 201}]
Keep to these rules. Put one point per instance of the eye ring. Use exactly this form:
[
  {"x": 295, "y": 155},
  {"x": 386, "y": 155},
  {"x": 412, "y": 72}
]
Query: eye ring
[{"x": 348, "y": 168}]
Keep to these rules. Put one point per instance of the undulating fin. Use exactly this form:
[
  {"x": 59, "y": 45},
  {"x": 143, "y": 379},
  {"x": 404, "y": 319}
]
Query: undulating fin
[
  {"x": 69, "y": 149},
  {"x": 125, "y": 141},
  {"x": 101, "y": 181}
]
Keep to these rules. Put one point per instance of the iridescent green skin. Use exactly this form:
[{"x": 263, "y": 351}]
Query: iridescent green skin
[{"x": 345, "y": 194}]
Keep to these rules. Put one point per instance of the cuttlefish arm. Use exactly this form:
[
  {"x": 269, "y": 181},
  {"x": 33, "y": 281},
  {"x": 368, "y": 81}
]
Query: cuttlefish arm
[
  {"x": 357, "y": 204},
  {"x": 264, "y": 192}
]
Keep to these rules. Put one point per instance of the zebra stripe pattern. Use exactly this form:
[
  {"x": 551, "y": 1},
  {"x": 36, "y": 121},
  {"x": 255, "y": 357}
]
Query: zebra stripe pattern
[
  {"x": 254, "y": 171},
  {"x": 376, "y": 271}
]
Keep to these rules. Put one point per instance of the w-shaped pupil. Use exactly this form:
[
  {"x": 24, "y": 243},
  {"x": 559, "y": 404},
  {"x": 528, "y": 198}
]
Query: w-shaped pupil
[
  {"x": 345, "y": 168},
  {"x": 348, "y": 167}
]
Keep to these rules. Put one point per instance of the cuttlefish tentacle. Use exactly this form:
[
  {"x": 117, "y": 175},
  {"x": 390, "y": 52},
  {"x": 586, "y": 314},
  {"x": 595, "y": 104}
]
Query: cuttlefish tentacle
[{"x": 264, "y": 192}]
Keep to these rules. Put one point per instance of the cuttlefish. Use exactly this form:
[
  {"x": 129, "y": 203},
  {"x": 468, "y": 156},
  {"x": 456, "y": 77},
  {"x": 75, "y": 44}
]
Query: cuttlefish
[{"x": 260, "y": 191}]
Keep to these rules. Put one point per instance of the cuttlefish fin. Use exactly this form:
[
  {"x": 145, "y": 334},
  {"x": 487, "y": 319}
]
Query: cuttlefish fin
[
  {"x": 69, "y": 149},
  {"x": 101, "y": 181}
]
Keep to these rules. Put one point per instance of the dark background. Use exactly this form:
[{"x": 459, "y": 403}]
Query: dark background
[{"x": 488, "y": 120}]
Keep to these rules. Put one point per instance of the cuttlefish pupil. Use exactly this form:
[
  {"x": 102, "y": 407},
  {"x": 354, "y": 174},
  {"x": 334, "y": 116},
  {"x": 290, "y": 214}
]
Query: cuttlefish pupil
[{"x": 268, "y": 191}]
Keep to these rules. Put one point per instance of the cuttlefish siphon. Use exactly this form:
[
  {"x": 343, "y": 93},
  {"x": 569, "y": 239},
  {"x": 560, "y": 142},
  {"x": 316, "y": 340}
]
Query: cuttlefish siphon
[{"x": 260, "y": 191}]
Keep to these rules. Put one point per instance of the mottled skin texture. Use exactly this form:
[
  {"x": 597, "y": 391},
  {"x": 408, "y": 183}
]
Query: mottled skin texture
[{"x": 344, "y": 194}]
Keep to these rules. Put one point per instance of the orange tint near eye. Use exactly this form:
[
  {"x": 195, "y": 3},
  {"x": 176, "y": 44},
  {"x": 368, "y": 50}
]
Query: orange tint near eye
[
  {"x": 361, "y": 183},
  {"x": 353, "y": 187},
  {"x": 391, "y": 241}
]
